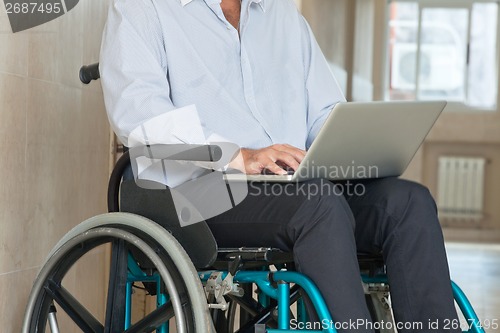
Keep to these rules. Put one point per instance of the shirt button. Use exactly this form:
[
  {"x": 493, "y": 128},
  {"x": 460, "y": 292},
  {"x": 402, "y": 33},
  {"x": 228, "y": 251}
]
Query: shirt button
[{"x": 228, "y": 27}]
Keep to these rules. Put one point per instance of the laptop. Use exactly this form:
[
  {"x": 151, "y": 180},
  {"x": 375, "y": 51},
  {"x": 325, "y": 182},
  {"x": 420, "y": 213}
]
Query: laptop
[{"x": 361, "y": 140}]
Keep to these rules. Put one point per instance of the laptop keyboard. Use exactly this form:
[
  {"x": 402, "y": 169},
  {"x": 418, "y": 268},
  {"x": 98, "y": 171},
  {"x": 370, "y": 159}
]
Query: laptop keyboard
[{"x": 289, "y": 171}]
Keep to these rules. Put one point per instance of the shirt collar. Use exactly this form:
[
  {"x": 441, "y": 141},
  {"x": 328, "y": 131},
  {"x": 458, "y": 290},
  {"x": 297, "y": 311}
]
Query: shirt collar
[{"x": 260, "y": 2}]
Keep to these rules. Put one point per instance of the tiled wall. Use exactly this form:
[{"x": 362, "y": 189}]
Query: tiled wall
[{"x": 54, "y": 150}]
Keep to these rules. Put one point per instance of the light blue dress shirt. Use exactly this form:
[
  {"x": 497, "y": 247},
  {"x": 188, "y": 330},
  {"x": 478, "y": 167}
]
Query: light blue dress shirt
[{"x": 269, "y": 84}]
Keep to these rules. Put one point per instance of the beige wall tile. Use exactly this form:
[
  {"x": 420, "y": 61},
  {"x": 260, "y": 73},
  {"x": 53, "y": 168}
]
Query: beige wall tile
[
  {"x": 95, "y": 14},
  {"x": 12, "y": 209},
  {"x": 92, "y": 184},
  {"x": 12, "y": 164},
  {"x": 93, "y": 116},
  {"x": 52, "y": 199},
  {"x": 14, "y": 290},
  {"x": 70, "y": 48},
  {"x": 94, "y": 128},
  {"x": 42, "y": 58},
  {"x": 14, "y": 53},
  {"x": 54, "y": 114},
  {"x": 13, "y": 90},
  {"x": 70, "y": 155},
  {"x": 55, "y": 49},
  {"x": 42, "y": 50}
]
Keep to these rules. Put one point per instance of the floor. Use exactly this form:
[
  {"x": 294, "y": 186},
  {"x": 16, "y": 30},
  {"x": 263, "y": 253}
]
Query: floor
[{"x": 476, "y": 269}]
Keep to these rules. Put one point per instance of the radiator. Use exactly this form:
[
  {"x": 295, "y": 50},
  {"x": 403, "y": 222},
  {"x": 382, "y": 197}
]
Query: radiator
[{"x": 461, "y": 187}]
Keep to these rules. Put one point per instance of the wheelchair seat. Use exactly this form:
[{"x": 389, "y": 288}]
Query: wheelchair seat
[{"x": 369, "y": 264}]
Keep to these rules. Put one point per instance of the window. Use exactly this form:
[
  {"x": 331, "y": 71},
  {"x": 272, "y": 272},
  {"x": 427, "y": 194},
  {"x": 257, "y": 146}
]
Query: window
[{"x": 443, "y": 49}]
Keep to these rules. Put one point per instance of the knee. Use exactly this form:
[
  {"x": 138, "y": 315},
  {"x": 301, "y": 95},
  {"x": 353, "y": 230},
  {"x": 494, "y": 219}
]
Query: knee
[
  {"x": 399, "y": 195},
  {"x": 419, "y": 197},
  {"x": 412, "y": 206}
]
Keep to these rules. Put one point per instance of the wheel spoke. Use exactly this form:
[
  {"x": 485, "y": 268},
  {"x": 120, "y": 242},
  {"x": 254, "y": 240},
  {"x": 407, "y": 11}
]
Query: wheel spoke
[
  {"x": 75, "y": 310},
  {"x": 153, "y": 320},
  {"x": 115, "y": 311}
]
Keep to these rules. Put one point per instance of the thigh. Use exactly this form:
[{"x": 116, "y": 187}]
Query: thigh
[{"x": 266, "y": 216}]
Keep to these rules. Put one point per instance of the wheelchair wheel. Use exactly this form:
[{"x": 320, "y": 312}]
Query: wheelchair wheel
[
  {"x": 225, "y": 321},
  {"x": 187, "y": 301}
]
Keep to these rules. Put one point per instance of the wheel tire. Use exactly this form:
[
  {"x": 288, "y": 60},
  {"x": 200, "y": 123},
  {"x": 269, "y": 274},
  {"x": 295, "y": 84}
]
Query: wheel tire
[{"x": 169, "y": 258}]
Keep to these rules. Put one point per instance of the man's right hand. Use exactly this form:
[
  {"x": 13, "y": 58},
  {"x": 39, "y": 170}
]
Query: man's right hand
[{"x": 272, "y": 158}]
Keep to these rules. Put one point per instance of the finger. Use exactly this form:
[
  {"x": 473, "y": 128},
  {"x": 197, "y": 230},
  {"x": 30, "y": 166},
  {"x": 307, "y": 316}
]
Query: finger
[
  {"x": 275, "y": 168},
  {"x": 268, "y": 159},
  {"x": 253, "y": 168},
  {"x": 277, "y": 157},
  {"x": 297, "y": 153},
  {"x": 288, "y": 159}
]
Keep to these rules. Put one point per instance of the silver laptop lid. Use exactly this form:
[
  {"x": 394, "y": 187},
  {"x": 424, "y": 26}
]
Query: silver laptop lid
[
  {"x": 369, "y": 140},
  {"x": 362, "y": 140}
]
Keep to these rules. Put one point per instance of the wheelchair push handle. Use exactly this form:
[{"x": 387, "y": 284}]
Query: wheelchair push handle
[{"x": 89, "y": 73}]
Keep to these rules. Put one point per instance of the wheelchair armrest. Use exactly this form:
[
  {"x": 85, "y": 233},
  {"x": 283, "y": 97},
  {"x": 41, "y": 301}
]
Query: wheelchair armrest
[
  {"x": 185, "y": 152},
  {"x": 179, "y": 152}
]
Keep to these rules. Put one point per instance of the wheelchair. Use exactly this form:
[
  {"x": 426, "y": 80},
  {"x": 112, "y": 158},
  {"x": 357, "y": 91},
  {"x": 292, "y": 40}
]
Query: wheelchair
[{"x": 198, "y": 287}]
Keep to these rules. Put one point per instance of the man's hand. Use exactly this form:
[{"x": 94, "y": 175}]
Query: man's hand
[{"x": 272, "y": 158}]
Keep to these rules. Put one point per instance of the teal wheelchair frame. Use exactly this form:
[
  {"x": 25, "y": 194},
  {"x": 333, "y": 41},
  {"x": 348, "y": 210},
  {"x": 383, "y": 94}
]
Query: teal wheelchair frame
[
  {"x": 281, "y": 293},
  {"x": 193, "y": 281}
]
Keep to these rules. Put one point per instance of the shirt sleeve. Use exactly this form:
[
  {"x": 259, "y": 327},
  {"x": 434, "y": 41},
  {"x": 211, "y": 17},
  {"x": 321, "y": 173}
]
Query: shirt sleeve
[
  {"x": 322, "y": 89},
  {"x": 133, "y": 66},
  {"x": 134, "y": 78}
]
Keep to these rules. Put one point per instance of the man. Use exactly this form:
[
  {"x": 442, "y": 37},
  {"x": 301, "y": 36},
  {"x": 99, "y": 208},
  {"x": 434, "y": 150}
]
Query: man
[{"x": 258, "y": 78}]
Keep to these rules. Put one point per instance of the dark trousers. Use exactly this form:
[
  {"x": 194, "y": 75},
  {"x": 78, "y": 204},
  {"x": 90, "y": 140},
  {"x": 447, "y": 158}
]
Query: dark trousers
[{"x": 326, "y": 224}]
